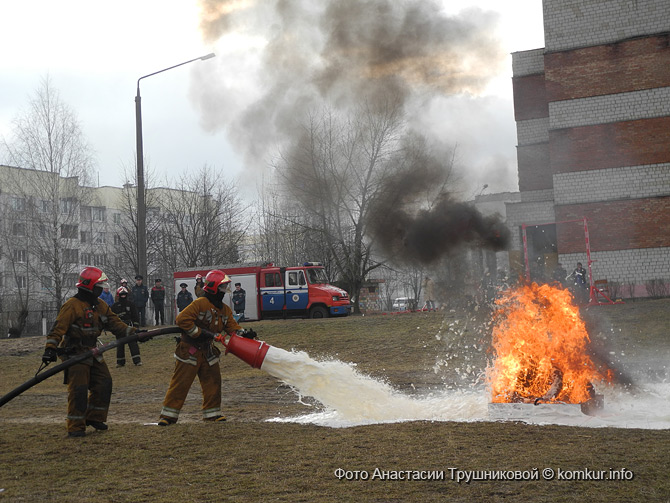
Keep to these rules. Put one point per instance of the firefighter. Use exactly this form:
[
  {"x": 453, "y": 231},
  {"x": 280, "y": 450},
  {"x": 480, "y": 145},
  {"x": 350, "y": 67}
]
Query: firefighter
[
  {"x": 76, "y": 329},
  {"x": 123, "y": 283},
  {"x": 195, "y": 354},
  {"x": 128, "y": 314},
  {"x": 199, "y": 291}
]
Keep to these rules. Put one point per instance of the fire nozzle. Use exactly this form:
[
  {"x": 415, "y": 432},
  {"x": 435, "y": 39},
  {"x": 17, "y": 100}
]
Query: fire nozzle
[{"x": 249, "y": 351}]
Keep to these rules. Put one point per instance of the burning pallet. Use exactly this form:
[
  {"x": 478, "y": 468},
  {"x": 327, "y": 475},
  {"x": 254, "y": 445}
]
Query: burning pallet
[
  {"x": 521, "y": 411},
  {"x": 542, "y": 361}
]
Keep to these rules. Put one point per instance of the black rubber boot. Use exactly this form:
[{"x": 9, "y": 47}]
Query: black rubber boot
[{"x": 97, "y": 424}]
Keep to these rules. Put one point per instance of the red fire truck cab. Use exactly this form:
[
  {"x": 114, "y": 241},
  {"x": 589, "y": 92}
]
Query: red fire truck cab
[{"x": 271, "y": 291}]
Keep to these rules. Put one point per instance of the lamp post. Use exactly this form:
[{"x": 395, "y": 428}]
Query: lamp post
[{"x": 141, "y": 202}]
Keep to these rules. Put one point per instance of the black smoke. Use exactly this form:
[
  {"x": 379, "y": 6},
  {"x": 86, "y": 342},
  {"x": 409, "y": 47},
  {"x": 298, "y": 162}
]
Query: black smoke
[{"x": 409, "y": 231}]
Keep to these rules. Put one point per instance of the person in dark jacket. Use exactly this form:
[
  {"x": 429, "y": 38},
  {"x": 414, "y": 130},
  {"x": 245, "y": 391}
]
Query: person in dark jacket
[
  {"x": 140, "y": 296},
  {"x": 127, "y": 312},
  {"x": 239, "y": 300},
  {"x": 184, "y": 297},
  {"x": 158, "y": 298}
]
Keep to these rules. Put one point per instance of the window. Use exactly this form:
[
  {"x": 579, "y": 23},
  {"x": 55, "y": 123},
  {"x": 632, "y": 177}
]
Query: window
[
  {"x": 119, "y": 262},
  {"x": 272, "y": 279},
  {"x": 117, "y": 240},
  {"x": 98, "y": 238},
  {"x": 19, "y": 229},
  {"x": 99, "y": 260},
  {"x": 45, "y": 206},
  {"x": 94, "y": 213},
  {"x": 86, "y": 258},
  {"x": 317, "y": 276},
  {"x": 70, "y": 256},
  {"x": 67, "y": 206},
  {"x": 43, "y": 256},
  {"x": 70, "y": 280},
  {"x": 42, "y": 230},
  {"x": 69, "y": 231},
  {"x": 18, "y": 204},
  {"x": 116, "y": 218},
  {"x": 2, "y": 282},
  {"x": 21, "y": 282},
  {"x": 20, "y": 256},
  {"x": 85, "y": 237},
  {"x": 296, "y": 278},
  {"x": 47, "y": 282}
]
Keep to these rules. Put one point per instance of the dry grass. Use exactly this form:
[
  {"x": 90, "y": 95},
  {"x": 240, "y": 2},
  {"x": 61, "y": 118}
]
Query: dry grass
[{"x": 248, "y": 459}]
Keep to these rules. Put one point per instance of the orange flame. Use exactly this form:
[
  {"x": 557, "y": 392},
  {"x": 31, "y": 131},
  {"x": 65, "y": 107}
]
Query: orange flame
[{"x": 541, "y": 348}]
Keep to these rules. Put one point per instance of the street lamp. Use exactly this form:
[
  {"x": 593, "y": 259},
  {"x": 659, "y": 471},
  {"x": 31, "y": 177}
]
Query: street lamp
[{"x": 141, "y": 203}]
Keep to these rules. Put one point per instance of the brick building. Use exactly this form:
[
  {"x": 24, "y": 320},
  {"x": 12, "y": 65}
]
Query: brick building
[{"x": 593, "y": 129}]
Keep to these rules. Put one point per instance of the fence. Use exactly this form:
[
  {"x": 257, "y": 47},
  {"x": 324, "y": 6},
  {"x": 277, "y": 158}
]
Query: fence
[{"x": 39, "y": 322}]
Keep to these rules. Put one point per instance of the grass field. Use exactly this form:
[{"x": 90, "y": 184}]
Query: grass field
[{"x": 250, "y": 459}]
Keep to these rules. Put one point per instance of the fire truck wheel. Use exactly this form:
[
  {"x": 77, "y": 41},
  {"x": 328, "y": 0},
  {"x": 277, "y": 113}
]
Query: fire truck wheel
[{"x": 318, "y": 312}]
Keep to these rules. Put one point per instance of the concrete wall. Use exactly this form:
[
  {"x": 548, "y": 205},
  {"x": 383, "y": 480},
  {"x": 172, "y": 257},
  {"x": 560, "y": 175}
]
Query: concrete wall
[
  {"x": 610, "y": 108},
  {"x": 579, "y": 23},
  {"x": 612, "y": 184}
]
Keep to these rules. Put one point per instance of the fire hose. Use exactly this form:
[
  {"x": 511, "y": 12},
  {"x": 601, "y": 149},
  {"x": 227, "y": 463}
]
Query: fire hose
[{"x": 93, "y": 352}]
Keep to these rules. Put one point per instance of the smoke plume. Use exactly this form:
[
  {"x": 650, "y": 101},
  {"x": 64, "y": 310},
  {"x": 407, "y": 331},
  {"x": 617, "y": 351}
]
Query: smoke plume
[
  {"x": 410, "y": 233},
  {"x": 337, "y": 52}
]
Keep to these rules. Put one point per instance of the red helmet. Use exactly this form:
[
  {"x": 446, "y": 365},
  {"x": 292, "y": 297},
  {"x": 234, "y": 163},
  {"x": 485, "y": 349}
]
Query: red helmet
[
  {"x": 198, "y": 276},
  {"x": 89, "y": 277},
  {"x": 122, "y": 290},
  {"x": 215, "y": 280}
]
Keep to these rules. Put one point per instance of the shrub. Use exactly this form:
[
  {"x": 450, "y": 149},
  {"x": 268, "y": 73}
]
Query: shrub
[{"x": 657, "y": 288}]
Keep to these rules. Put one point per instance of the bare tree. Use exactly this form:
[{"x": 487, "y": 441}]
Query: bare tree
[
  {"x": 126, "y": 264},
  {"x": 335, "y": 172},
  {"x": 47, "y": 140},
  {"x": 286, "y": 234},
  {"x": 204, "y": 224}
]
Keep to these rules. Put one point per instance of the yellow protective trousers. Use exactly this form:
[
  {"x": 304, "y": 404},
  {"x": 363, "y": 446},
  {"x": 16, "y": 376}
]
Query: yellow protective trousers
[
  {"x": 193, "y": 362},
  {"x": 89, "y": 386}
]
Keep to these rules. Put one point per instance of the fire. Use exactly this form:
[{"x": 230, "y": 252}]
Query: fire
[{"x": 541, "y": 348}]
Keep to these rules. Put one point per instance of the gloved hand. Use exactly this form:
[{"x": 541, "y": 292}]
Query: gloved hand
[
  {"x": 206, "y": 335},
  {"x": 50, "y": 355},
  {"x": 247, "y": 333}
]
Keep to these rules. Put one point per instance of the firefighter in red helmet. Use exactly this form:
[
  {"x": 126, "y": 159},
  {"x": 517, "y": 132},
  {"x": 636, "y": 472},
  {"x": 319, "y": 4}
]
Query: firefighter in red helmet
[
  {"x": 199, "y": 284},
  {"x": 80, "y": 321},
  {"x": 195, "y": 354}
]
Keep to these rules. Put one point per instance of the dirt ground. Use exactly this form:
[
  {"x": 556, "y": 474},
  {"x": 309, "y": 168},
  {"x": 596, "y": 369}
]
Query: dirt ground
[{"x": 250, "y": 459}]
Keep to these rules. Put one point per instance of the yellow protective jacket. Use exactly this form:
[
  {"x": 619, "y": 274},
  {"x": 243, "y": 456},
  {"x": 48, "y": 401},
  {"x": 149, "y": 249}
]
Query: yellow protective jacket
[
  {"x": 199, "y": 292},
  {"x": 201, "y": 313},
  {"x": 78, "y": 325}
]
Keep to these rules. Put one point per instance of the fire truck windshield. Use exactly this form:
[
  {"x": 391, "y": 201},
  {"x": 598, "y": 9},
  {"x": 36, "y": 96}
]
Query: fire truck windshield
[{"x": 317, "y": 276}]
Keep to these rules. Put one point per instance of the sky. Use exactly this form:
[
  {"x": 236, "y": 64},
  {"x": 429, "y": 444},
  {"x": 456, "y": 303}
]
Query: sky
[{"x": 216, "y": 112}]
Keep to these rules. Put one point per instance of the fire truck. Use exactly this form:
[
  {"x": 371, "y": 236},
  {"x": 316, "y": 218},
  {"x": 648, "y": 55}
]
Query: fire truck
[{"x": 278, "y": 292}]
